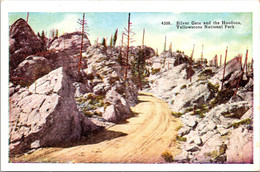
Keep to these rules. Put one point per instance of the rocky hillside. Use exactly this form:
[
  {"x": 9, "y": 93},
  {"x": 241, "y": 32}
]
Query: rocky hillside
[
  {"x": 50, "y": 102},
  {"x": 217, "y": 124}
]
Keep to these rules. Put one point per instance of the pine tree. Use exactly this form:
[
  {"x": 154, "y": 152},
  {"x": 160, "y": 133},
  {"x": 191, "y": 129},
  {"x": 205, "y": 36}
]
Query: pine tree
[
  {"x": 104, "y": 43},
  {"x": 139, "y": 70},
  {"x": 115, "y": 38},
  {"x": 111, "y": 41}
]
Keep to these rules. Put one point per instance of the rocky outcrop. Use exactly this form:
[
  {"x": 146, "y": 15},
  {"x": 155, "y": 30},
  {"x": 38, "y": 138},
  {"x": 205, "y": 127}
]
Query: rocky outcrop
[
  {"x": 233, "y": 74},
  {"x": 23, "y": 42},
  {"x": 217, "y": 124},
  {"x": 104, "y": 82},
  {"x": 32, "y": 68},
  {"x": 45, "y": 114},
  {"x": 240, "y": 146},
  {"x": 70, "y": 41}
]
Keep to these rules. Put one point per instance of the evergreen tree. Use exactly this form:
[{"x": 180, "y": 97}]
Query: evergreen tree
[
  {"x": 115, "y": 38},
  {"x": 104, "y": 43},
  {"x": 111, "y": 41},
  {"x": 139, "y": 70}
]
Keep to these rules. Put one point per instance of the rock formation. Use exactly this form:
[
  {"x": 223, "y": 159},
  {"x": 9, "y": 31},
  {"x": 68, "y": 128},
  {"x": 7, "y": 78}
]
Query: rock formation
[
  {"x": 217, "y": 124},
  {"x": 23, "y": 42},
  {"x": 45, "y": 114}
]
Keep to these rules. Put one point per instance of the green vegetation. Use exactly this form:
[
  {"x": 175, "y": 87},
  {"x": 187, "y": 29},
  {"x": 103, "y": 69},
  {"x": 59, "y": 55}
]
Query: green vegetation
[
  {"x": 198, "y": 110},
  {"x": 183, "y": 86},
  {"x": 91, "y": 102},
  {"x": 181, "y": 139},
  {"x": 206, "y": 74},
  {"x": 104, "y": 43},
  {"x": 236, "y": 112},
  {"x": 167, "y": 156},
  {"x": 139, "y": 70},
  {"x": 223, "y": 96},
  {"x": 154, "y": 71},
  {"x": 178, "y": 128},
  {"x": 177, "y": 114},
  {"x": 242, "y": 122},
  {"x": 217, "y": 153},
  {"x": 212, "y": 88},
  {"x": 115, "y": 38}
]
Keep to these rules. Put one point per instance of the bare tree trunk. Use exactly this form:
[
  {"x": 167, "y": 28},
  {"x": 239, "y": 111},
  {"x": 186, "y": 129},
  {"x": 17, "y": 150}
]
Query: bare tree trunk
[
  {"x": 81, "y": 46},
  {"x": 127, "y": 48},
  {"x": 27, "y": 19},
  {"x": 224, "y": 68},
  {"x": 191, "y": 61}
]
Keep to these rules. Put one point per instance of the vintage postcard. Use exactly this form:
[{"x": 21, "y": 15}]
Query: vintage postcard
[{"x": 126, "y": 84}]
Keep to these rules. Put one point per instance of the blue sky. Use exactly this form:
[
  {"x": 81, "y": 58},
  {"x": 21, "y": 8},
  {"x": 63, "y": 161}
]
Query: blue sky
[{"x": 104, "y": 24}]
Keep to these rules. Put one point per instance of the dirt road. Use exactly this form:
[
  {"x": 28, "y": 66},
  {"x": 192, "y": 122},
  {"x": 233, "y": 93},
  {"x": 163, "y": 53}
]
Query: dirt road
[{"x": 141, "y": 139}]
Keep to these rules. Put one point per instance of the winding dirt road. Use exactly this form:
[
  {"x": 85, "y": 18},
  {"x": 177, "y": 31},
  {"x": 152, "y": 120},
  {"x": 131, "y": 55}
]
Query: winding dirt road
[{"x": 141, "y": 139}]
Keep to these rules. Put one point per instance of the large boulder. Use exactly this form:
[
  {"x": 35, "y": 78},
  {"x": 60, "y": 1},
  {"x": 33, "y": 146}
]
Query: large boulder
[
  {"x": 23, "y": 42},
  {"x": 32, "y": 68},
  {"x": 233, "y": 73},
  {"x": 45, "y": 114},
  {"x": 70, "y": 41},
  {"x": 119, "y": 108},
  {"x": 240, "y": 147}
]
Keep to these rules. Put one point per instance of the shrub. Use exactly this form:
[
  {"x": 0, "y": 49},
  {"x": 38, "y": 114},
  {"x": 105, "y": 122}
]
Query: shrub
[
  {"x": 242, "y": 122},
  {"x": 217, "y": 153},
  {"x": 154, "y": 71},
  {"x": 223, "y": 96},
  {"x": 183, "y": 86},
  {"x": 178, "y": 128},
  {"x": 199, "y": 110},
  {"x": 177, "y": 114},
  {"x": 212, "y": 88},
  {"x": 181, "y": 139},
  {"x": 167, "y": 156}
]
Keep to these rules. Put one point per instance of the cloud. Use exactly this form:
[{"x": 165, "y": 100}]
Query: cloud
[{"x": 67, "y": 24}]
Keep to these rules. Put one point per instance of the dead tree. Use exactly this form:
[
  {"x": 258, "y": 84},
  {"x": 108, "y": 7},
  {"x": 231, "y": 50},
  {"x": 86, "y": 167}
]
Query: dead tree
[
  {"x": 243, "y": 69},
  {"x": 128, "y": 33},
  {"x": 165, "y": 44},
  {"x": 191, "y": 61},
  {"x": 143, "y": 38},
  {"x": 170, "y": 49},
  {"x": 220, "y": 60},
  {"x": 27, "y": 18},
  {"x": 84, "y": 27},
  {"x": 201, "y": 57},
  {"x": 224, "y": 69}
]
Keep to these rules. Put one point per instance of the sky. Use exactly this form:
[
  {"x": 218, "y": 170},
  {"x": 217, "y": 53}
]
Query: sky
[{"x": 104, "y": 24}]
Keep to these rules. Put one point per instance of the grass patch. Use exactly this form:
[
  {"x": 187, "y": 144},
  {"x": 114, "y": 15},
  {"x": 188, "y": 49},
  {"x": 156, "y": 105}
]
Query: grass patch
[
  {"x": 154, "y": 71},
  {"x": 181, "y": 139},
  {"x": 167, "y": 156},
  {"x": 206, "y": 74},
  {"x": 223, "y": 96},
  {"x": 212, "y": 88},
  {"x": 198, "y": 110},
  {"x": 178, "y": 128},
  {"x": 177, "y": 114},
  {"x": 91, "y": 102},
  {"x": 217, "y": 153},
  {"x": 242, "y": 122}
]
